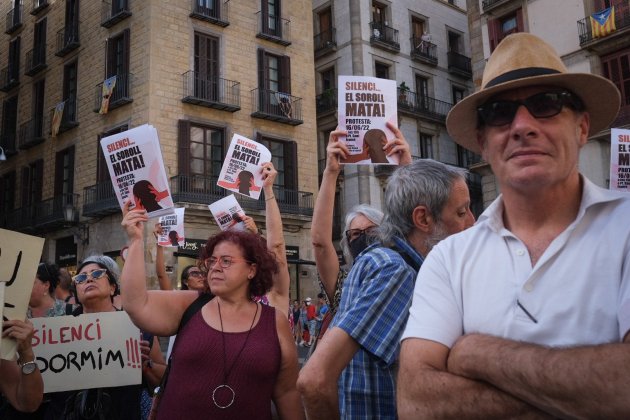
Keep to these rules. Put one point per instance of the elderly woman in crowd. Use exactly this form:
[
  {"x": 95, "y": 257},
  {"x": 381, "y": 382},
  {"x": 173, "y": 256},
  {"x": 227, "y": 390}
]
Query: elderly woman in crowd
[
  {"x": 96, "y": 284},
  {"x": 360, "y": 223}
]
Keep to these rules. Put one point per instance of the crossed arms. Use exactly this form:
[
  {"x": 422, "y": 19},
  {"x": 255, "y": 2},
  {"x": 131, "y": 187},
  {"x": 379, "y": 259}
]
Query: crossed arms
[{"x": 489, "y": 377}]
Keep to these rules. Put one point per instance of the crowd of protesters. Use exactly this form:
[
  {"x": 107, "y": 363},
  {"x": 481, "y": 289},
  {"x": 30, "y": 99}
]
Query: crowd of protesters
[{"x": 524, "y": 314}]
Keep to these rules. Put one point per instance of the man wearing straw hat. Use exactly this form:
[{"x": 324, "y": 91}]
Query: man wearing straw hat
[{"x": 528, "y": 312}]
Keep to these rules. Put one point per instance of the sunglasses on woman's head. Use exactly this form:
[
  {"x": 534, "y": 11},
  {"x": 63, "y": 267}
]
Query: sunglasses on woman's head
[
  {"x": 541, "y": 105},
  {"x": 94, "y": 274}
]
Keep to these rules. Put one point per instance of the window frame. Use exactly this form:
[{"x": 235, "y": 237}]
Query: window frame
[
  {"x": 64, "y": 171},
  {"x": 287, "y": 171}
]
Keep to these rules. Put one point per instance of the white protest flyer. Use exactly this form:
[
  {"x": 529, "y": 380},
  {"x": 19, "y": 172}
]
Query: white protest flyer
[
  {"x": 19, "y": 258},
  {"x": 366, "y": 104},
  {"x": 134, "y": 160},
  {"x": 172, "y": 229},
  {"x": 227, "y": 213},
  {"x": 241, "y": 172},
  {"x": 619, "y": 159},
  {"x": 87, "y": 351}
]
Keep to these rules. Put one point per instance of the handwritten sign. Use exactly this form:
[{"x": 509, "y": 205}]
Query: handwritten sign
[
  {"x": 19, "y": 256},
  {"x": 87, "y": 351}
]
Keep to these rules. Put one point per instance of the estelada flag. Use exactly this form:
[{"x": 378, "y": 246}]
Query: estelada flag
[
  {"x": 56, "y": 120},
  {"x": 603, "y": 22},
  {"x": 107, "y": 91}
]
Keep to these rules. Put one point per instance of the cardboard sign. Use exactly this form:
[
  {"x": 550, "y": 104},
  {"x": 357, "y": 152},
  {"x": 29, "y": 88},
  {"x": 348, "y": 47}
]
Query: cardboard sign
[
  {"x": 19, "y": 257},
  {"x": 366, "y": 104},
  {"x": 620, "y": 159},
  {"x": 134, "y": 160},
  {"x": 172, "y": 229},
  {"x": 87, "y": 351},
  {"x": 227, "y": 213},
  {"x": 242, "y": 167}
]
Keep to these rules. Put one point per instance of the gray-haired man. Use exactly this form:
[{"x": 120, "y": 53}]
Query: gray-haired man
[{"x": 425, "y": 201}]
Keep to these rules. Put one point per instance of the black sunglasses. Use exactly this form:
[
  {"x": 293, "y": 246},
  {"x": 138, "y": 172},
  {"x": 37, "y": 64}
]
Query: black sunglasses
[
  {"x": 352, "y": 234},
  {"x": 540, "y": 105}
]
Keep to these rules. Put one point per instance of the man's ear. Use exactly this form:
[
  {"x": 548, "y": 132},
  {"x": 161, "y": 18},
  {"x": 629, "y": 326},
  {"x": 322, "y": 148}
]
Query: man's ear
[{"x": 421, "y": 217}]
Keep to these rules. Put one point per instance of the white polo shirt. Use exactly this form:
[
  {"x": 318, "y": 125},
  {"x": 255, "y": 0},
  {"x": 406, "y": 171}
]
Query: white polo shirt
[{"x": 482, "y": 280}]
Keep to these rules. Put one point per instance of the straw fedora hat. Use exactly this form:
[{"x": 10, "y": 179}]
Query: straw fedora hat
[{"x": 523, "y": 59}]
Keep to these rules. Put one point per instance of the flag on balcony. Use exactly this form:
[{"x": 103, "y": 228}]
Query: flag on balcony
[
  {"x": 603, "y": 22},
  {"x": 108, "y": 90},
  {"x": 56, "y": 119}
]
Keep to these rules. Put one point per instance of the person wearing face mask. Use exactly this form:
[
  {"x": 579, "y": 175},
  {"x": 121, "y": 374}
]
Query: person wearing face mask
[
  {"x": 424, "y": 202},
  {"x": 360, "y": 222}
]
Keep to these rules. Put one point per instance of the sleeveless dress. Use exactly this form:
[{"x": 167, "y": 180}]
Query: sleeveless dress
[{"x": 197, "y": 369}]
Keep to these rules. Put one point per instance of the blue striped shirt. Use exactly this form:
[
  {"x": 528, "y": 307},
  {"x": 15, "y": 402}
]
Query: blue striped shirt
[{"x": 373, "y": 311}]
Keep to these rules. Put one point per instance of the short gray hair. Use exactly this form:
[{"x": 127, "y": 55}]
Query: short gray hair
[
  {"x": 373, "y": 214},
  {"x": 423, "y": 182}
]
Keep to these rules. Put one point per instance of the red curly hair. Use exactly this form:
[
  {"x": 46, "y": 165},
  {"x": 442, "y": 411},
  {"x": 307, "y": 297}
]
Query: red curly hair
[{"x": 254, "y": 249}]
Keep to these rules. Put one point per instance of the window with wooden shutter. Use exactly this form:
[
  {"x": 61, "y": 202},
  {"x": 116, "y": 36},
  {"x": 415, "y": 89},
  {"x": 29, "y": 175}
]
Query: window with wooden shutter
[
  {"x": 201, "y": 152},
  {"x": 616, "y": 68},
  {"x": 284, "y": 158},
  {"x": 64, "y": 172}
]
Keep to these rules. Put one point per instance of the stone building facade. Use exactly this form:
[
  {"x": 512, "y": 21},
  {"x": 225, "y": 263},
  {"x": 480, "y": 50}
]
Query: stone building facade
[{"x": 199, "y": 71}]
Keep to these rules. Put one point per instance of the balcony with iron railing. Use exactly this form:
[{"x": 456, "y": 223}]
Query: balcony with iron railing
[
  {"x": 38, "y": 6},
  {"x": 384, "y": 36},
  {"x": 67, "y": 39},
  {"x": 31, "y": 132},
  {"x": 423, "y": 51},
  {"x": 49, "y": 214},
  {"x": 459, "y": 64},
  {"x": 100, "y": 200},
  {"x": 488, "y": 5},
  {"x": 212, "y": 11},
  {"x": 213, "y": 92},
  {"x": 9, "y": 77},
  {"x": 423, "y": 106},
  {"x": 619, "y": 36},
  {"x": 273, "y": 28},
  {"x": 121, "y": 95},
  {"x": 14, "y": 20},
  {"x": 21, "y": 219},
  {"x": 113, "y": 12},
  {"x": 69, "y": 118},
  {"x": 36, "y": 60},
  {"x": 203, "y": 190},
  {"x": 325, "y": 42},
  {"x": 277, "y": 106},
  {"x": 326, "y": 101}
]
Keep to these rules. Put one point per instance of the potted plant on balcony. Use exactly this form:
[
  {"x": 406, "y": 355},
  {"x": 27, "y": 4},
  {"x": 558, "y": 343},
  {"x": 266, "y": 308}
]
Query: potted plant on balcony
[{"x": 403, "y": 89}]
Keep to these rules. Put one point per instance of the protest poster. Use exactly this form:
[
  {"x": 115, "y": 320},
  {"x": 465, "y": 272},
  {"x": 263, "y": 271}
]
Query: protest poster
[
  {"x": 227, "y": 213},
  {"x": 619, "y": 159},
  {"x": 87, "y": 351},
  {"x": 242, "y": 168},
  {"x": 134, "y": 160},
  {"x": 366, "y": 104},
  {"x": 19, "y": 257},
  {"x": 172, "y": 229}
]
